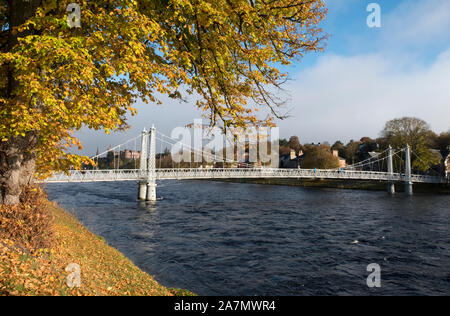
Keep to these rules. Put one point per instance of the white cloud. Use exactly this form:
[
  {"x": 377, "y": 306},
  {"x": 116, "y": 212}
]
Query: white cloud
[
  {"x": 418, "y": 23},
  {"x": 344, "y": 97},
  {"x": 350, "y": 97}
]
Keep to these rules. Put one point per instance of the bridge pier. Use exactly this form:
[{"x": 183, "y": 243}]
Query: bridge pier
[
  {"x": 391, "y": 185},
  {"x": 151, "y": 192},
  {"x": 142, "y": 195},
  {"x": 391, "y": 188},
  {"x": 408, "y": 180}
]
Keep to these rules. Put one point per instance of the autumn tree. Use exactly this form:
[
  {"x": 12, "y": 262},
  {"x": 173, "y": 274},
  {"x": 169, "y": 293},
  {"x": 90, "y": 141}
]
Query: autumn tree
[
  {"x": 351, "y": 151},
  {"x": 56, "y": 79},
  {"x": 413, "y": 132},
  {"x": 294, "y": 143},
  {"x": 366, "y": 139},
  {"x": 320, "y": 157},
  {"x": 339, "y": 146}
]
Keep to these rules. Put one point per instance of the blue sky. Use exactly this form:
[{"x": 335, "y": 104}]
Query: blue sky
[{"x": 365, "y": 77}]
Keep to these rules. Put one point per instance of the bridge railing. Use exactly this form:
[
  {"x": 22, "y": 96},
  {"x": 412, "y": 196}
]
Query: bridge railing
[
  {"x": 215, "y": 173},
  {"x": 286, "y": 173},
  {"x": 95, "y": 176}
]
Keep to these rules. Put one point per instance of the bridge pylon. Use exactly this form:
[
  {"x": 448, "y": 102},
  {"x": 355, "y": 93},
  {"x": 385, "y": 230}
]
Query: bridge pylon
[
  {"x": 147, "y": 166},
  {"x": 142, "y": 195},
  {"x": 408, "y": 180},
  {"x": 151, "y": 167},
  {"x": 391, "y": 184}
]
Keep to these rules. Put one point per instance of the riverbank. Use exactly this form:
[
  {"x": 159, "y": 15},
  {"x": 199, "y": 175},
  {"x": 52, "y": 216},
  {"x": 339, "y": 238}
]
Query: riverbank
[
  {"x": 219, "y": 238},
  {"x": 104, "y": 270},
  {"x": 347, "y": 184}
]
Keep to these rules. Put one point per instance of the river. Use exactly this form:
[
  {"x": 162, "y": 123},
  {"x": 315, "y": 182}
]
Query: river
[{"x": 217, "y": 238}]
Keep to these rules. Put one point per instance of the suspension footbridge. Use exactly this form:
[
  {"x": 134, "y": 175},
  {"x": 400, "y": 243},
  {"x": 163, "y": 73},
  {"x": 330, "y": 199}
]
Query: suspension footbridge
[{"x": 147, "y": 173}]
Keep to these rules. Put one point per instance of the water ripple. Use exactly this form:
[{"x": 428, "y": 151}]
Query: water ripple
[{"x": 244, "y": 239}]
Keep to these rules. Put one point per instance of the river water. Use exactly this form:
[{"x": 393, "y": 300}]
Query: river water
[{"x": 217, "y": 238}]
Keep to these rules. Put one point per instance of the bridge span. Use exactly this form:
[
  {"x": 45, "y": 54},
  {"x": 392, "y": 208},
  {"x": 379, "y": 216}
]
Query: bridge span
[
  {"x": 147, "y": 174},
  {"x": 242, "y": 173}
]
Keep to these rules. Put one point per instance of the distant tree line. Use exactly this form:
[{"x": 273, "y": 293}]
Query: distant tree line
[
  {"x": 428, "y": 150},
  {"x": 427, "y": 146}
]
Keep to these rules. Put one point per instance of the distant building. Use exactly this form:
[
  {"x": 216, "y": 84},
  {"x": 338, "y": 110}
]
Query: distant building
[
  {"x": 342, "y": 161},
  {"x": 291, "y": 160},
  {"x": 130, "y": 154}
]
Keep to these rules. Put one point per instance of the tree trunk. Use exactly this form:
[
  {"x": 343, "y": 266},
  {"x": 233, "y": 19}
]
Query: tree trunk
[
  {"x": 17, "y": 162},
  {"x": 17, "y": 155}
]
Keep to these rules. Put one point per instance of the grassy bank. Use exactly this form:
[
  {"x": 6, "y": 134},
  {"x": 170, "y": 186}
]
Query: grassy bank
[
  {"x": 345, "y": 184},
  {"x": 104, "y": 270}
]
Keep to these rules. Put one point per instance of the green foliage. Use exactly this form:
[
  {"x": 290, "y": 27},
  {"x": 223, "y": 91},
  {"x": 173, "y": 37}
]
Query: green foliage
[
  {"x": 350, "y": 152},
  {"x": 442, "y": 141},
  {"x": 319, "y": 157},
  {"x": 417, "y": 134},
  {"x": 339, "y": 146}
]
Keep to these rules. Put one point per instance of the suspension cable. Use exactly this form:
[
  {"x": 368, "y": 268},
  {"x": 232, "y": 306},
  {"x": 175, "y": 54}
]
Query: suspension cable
[{"x": 214, "y": 156}]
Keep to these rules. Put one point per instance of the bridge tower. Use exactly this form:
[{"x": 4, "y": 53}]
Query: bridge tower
[
  {"x": 147, "y": 167},
  {"x": 408, "y": 180},
  {"x": 143, "y": 165},
  {"x": 391, "y": 185},
  {"x": 151, "y": 176}
]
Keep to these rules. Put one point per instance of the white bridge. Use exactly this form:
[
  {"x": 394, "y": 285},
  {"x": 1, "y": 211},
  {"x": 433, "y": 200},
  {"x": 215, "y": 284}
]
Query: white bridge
[
  {"x": 147, "y": 173},
  {"x": 247, "y": 173}
]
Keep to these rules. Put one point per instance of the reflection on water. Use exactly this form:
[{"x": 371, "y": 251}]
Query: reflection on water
[{"x": 244, "y": 239}]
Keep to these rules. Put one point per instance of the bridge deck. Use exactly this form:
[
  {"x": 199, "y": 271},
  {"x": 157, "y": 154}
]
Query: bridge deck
[{"x": 188, "y": 174}]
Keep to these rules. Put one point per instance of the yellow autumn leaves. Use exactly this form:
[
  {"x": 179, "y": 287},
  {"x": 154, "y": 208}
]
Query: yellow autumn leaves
[
  {"x": 226, "y": 53},
  {"x": 104, "y": 271}
]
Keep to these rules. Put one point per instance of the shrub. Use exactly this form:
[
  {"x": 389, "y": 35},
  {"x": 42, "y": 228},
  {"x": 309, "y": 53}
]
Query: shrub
[{"x": 29, "y": 223}]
